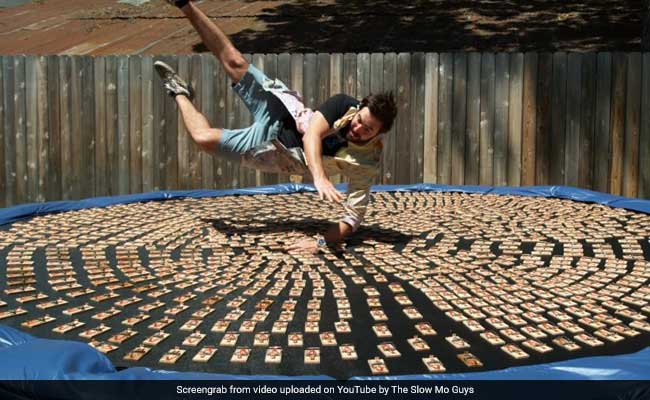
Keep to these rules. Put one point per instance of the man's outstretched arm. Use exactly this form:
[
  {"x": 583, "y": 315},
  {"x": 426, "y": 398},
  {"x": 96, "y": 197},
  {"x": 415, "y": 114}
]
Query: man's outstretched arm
[{"x": 312, "y": 142}]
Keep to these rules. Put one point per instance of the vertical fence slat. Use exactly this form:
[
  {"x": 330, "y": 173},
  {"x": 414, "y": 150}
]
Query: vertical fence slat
[
  {"x": 54, "y": 124},
  {"x": 572, "y": 148},
  {"x": 417, "y": 117},
  {"x": 123, "y": 124},
  {"x": 87, "y": 184},
  {"x": 65, "y": 74},
  {"x": 20, "y": 129},
  {"x": 488, "y": 71},
  {"x": 558, "y": 119},
  {"x": 310, "y": 76},
  {"x": 147, "y": 124},
  {"x": 472, "y": 145},
  {"x": 222, "y": 86},
  {"x": 632, "y": 115},
  {"x": 501, "y": 108},
  {"x": 602, "y": 142},
  {"x": 31, "y": 126},
  {"x": 76, "y": 127},
  {"x": 183, "y": 139},
  {"x": 529, "y": 116},
  {"x": 159, "y": 99},
  {"x": 9, "y": 142},
  {"x": 587, "y": 122},
  {"x": 101, "y": 167},
  {"x": 644, "y": 139},
  {"x": 403, "y": 122},
  {"x": 171, "y": 138},
  {"x": 208, "y": 62},
  {"x": 3, "y": 178},
  {"x": 232, "y": 166},
  {"x": 431, "y": 119},
  {"x": 390, "y": 84},
  {"x": 43, "y": 129},
  {"x": 446, "y": 87},
  {"x": 363, "y": 75},
  {"x": 515, "y": 119},
  {"x": 459, "y": 119},
  {"x": 284, "y": 74},
  {"x": 111, "y": 125},
  {"x": 135, "y": 120},
  {"x": 543, "y": 125},
  {"x": 336, "y": 87},
  {"x": 350, "y": 74},
  {"x": 619, "y": 77},
  {"x": 192, "y": 156}
]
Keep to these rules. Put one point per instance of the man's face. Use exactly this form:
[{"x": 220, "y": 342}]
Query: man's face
[{"x": 364, "y": 126}]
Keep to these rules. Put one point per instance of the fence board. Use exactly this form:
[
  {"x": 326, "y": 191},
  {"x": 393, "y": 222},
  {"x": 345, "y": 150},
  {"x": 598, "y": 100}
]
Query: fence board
[
  {"x": 87, "y": 184},
  {"x": 9, "y": 140},
  {"x": 501, "y": 95},
  {"x": 388, "y": 156},
  {"x": 147, "y": 123},
  {"x": 171, "y": 137},
  {"x": 135, "y": 121},
  {"x": 222, "y": 86},
  {"x": 446, "y": 87},
  {"x": 310, "y": 74},
  {"x": 284, "y": 74},
  {"x": 515, "y": 119},
  {"x": 183, "y": 139},
  {"x": 323, "y": 78},
  {"x": 488, "y": 81},
  {"x": 403, "y": 122},
  {"x": 543, "y": 123},
  {"x": 587, "y": 122},
  {"x": 101, "y": 167},
  {"x": 430, "y": 167},
  {"x": 208, "y": 73},
  {"x": 472, "y": 145},
  {"x": 111, "y": 124},
  {"x": 459, "y": 119},
  {"x": 20, "y": 129},
  {"x": 363, "y": 75},
  {"x": 54, "y": 125},
  {"x": 572, "y": 148},
  {"x": 123, "y": 108},
  {"x": 232, "y": 166},
  {"x": 76, "y": 127},
  {"x": 3, "y": 178},
  {"x": 350, "y": 74},
  {"x": 632, "y": 125},
  {"x": 619, "y": 77},
  {"x": 271, "y": 70},
  {"x": 192, "y": 156},
  {"x": 43, "y": 129},
  {"x": 417, "y": 117},
  {"x": 644, "y": 134},
  {"x": 159, "y": 120},
  {"x": 529, "y": 120},
  {"x": 31, "y": 126},
  {"x": 602, "y": 140},
  {"x": 558, "y": 119},
  {"x": 65, "y": 75}
]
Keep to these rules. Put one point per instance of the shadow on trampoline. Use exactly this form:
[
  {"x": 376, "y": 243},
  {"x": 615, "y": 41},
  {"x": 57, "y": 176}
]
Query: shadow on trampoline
[{"x": 308, "y": 226}]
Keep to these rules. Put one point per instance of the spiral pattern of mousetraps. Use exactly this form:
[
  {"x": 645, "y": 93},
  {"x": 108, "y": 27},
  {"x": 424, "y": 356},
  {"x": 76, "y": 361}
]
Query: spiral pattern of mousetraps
[{"x": 430, "y": 283}]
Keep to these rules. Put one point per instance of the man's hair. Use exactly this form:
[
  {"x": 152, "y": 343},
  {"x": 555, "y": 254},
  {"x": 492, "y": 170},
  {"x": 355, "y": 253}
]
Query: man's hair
[{"x": 382, "y": 106}]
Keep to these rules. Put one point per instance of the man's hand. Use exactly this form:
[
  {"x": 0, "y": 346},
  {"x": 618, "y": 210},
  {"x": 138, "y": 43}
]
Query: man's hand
[
  {"x": 326, "y": 190},
  {"x": 309, "y": 245}
]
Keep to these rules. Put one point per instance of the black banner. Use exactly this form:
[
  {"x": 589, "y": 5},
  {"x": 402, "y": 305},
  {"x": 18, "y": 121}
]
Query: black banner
[{"x": 312, "y": 390}]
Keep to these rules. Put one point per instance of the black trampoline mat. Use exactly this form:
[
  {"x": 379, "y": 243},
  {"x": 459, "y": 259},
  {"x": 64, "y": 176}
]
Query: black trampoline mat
[{"x": 520, "y": 268}]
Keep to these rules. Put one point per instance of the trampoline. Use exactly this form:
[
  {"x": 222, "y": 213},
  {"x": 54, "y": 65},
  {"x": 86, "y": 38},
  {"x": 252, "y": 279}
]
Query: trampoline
[{"x": 438, "y": 282}]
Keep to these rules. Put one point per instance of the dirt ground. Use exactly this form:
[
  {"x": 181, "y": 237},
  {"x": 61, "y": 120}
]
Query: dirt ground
[
  {"x": 275, "y": 26},
  {"x": 430, "y": 25}
]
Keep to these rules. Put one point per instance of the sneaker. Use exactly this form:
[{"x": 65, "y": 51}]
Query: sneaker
[{"x": 173, "y": 83}]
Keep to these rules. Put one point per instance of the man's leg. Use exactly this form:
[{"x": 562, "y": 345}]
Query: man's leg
[
  {"x": 206, "y": 137},
  {"x": 233, "y": 62}
]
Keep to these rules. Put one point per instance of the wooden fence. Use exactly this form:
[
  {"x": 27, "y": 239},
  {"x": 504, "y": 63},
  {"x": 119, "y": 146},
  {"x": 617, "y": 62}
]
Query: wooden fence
[{"x": 77, "y": 126}]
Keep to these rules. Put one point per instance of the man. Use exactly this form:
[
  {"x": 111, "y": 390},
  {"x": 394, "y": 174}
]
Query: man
[{"x": 342, "y": 137}]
